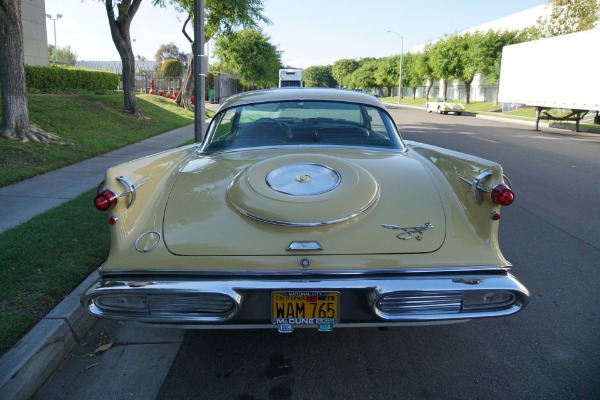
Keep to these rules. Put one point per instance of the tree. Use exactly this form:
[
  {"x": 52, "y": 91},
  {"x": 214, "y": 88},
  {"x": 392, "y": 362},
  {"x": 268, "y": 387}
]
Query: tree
[
  {"x": 120, "y": 25},
  {"x": 171, "y": 68},
  {"x": 221, "y": 16},
  {"x": 15, "y": 111},
  {"x": 443, "y": 61},
  {"x": 487, "y": 47},
  {"x": 64, "y": 55},
  {"x": 249, "y": 54},
  {"x": 170, "y": 51},
  {"x": 465, "y": 65},
  {"x": 567, "y": 16},
  {"x": 318, "y": 76},
  {"x": 342, "y": 69},
  {"x": 386, "y": 74},
  {"x": 424, "y": 67},
  {"x": 412, "y": 76},
  {"x": 364, "y": 76}
]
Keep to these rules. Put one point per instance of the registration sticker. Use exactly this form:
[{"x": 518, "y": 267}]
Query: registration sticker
[{"x": 305, "y": 308}]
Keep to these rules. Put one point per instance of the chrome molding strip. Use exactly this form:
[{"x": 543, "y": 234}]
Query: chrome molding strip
[
  {"x": 304, "y": 273},
  {"x": 308, "y": 146}
]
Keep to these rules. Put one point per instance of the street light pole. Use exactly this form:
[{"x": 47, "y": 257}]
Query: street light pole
[
  {"x": 58, "y": 16},
  {"x": 400, "y": 73}
]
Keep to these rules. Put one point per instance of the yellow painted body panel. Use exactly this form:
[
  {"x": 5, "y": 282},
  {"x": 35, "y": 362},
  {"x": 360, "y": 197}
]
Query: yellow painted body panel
[{"x": 202, "y": 224}]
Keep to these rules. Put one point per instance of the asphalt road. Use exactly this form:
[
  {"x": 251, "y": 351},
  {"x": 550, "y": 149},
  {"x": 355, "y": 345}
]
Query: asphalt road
[{"x": 551, "y": 350}]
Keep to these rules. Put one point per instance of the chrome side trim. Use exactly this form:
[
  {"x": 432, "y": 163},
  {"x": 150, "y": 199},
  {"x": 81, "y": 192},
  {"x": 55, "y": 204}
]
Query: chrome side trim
[{"x": 252, "y": 274}]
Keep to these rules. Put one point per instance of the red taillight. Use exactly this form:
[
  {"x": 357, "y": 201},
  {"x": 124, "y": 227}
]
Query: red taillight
[
  {"x": 105, "y": 200},
  {"x": 503, "y": 195}
]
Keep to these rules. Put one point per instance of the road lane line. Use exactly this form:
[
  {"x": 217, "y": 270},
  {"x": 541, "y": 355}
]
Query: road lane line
[{"x": 480, "y": 138}]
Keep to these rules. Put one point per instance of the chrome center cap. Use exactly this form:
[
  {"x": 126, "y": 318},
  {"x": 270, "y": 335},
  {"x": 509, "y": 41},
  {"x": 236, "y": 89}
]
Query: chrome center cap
[{"x": 303, "y": 179}]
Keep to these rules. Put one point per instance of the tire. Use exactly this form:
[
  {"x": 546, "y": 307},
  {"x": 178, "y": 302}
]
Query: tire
[
  {"x": 427, "y": 108},
  {"x": 458, "y": 112},
  {"x": 439, "y": 110}
]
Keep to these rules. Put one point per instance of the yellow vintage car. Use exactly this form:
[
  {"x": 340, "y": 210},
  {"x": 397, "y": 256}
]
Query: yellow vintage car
[
  {"x": 441, "y": 106},
  {"x": 304, "y": 208}
]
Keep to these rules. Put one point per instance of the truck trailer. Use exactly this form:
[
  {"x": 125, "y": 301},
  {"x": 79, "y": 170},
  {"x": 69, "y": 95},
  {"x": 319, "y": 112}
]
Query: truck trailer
[
  {"x": 290, "y": 77},
  {"x": 553, "y": 73}
]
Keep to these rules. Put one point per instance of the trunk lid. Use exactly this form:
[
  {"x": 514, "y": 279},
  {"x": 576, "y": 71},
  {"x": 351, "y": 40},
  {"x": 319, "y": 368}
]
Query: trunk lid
[{"x": 278, "y": 202}]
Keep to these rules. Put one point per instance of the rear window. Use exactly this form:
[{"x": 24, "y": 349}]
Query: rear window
[{"x": 301, "y": 123}]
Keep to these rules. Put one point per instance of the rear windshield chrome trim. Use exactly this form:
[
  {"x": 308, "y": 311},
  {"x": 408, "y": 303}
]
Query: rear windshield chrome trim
[{"x": 307, "y": 146}]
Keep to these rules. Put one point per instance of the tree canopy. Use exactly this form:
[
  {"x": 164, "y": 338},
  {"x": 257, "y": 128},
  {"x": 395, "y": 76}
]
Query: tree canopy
[
  {"x": 342, "y": 69},
  {"x": 567, "y": 16},
  {"x": 170, "y": 51},
  {"x": 64, "y": 55},
  {"x": 318, "y": 76},
  {"x": 249, "y": 54}
]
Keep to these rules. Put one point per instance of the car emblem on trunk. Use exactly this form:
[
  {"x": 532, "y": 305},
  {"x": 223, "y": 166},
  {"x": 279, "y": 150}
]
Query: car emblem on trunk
[
  {"x": 408, "y": 231},
  {"x": 303, "y": 178}
]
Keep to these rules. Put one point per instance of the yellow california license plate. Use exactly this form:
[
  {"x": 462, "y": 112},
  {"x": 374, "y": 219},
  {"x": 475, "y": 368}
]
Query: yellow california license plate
[{"x": 305, "y": 307}]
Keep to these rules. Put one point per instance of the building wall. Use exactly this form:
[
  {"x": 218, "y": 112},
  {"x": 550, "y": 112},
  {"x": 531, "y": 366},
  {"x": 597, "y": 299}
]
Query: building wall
[{"x": 35, "y": 41}]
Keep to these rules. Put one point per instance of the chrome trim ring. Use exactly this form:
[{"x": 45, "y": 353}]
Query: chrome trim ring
[
  {"x": 303, "y": 179},
  {"x": 305, "y": 224},
  {"x": 152, "y": 246}
]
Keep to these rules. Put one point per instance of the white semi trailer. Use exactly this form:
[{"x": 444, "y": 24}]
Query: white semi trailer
[
  {"x": 290, "y": 77},
  {"x": 559, "y": 72}
]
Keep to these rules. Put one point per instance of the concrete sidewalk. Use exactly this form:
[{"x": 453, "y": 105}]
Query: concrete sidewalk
[{"x": 29, "y": 364}]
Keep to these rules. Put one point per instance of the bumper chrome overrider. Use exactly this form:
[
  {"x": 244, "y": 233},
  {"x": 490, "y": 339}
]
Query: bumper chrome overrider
[{"x": 230, "y": 302}]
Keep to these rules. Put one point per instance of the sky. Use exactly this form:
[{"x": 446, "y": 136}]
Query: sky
[{"x": 307, "y": 32}]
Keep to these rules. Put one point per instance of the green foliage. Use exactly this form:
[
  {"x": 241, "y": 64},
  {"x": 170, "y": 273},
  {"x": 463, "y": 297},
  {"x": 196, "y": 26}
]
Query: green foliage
[
  {"x": 170, "y": 51},
  {"x": 487, "y": 49},
  {"x": 63, "y": 56},
  {"x": 60, "y": 79},
  {"x": 364, "y": 76},
  {"x": 250, "y": 55},
  {"x": 222, "y": 16},
  {"x": 318, "y": 76},
  {"x": 342, "y": 69},
  {"x": 567, "y": 16},
  {"x": 386, "y": 74},
  {"x": 412, "y": 76},
  {"x": 171, "y": 68}
]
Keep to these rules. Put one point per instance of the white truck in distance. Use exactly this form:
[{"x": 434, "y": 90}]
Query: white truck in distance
[
  {"x": 557, "y": 72},
  {"x": 290, "y": 77}
]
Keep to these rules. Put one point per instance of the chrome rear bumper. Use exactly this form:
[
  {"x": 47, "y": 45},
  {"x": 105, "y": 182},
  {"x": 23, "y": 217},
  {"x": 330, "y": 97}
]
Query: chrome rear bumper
[{"x": 238, "y": 303}]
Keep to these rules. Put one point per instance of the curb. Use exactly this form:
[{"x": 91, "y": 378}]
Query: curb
[{"x": 29, "y": 364}]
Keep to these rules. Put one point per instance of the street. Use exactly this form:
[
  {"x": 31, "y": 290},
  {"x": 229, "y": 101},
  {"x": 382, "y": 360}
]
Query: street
[{"x": 550, "y": 350}]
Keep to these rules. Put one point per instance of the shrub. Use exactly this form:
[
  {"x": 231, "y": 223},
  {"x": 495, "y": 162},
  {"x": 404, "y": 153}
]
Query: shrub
[
  {"x": 64, "y": 79},
  {"x": 171, "y": 68}
]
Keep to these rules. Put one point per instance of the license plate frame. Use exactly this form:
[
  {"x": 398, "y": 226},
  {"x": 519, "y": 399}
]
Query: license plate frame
[{"x": 305, "y": 307}]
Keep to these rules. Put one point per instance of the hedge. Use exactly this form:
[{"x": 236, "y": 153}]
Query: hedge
[{"x": 69, "y": 78}]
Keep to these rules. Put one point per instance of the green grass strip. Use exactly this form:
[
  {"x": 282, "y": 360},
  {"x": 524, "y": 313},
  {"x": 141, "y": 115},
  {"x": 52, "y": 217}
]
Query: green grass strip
[
  {"x": 92, "y": 124},
  {"x": 44, "y": 259}
]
